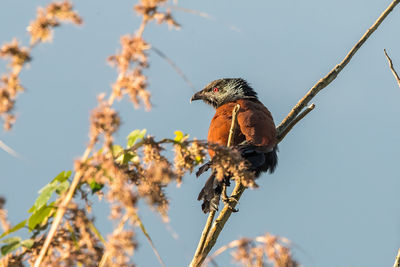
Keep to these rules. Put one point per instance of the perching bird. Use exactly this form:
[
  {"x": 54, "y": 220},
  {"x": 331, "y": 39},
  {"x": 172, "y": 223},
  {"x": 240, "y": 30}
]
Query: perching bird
[{"x": 255, "y": 136}]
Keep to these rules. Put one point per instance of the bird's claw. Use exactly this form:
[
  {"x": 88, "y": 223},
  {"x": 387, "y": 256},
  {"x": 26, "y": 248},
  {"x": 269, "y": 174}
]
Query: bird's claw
[{"x": 229, "y": 201}]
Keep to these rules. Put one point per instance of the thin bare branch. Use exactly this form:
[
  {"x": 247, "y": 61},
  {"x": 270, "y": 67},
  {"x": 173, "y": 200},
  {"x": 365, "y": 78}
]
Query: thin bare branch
[
  {"x": 9, "y": 150},
  {"x": 204, "y": 15},
  {"x": 295, "y": 121},
  {"x": 174, "y": 66},
  {"x": 392, "y": 68},
  {"x": 219, "y": 224},
  {"x": 203, "y": 237},
  {"x": 141, "y": 225},
  {"x": 397, "y": 261},
  {"x": 324, "y": 82}
]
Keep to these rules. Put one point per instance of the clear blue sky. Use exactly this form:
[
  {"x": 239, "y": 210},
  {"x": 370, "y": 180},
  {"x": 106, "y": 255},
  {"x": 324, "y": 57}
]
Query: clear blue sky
[{"x": 335, "y": 192}]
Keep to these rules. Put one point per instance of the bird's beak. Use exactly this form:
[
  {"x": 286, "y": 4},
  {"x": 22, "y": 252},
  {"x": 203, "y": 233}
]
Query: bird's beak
[{"x": 197, "y": 96}]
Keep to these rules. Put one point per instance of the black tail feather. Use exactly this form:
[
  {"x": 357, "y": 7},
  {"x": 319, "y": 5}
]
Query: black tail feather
[
  {"x": 203, "y": 168},
  {"x": 210, "y": 194},
  {"x": 259, "y": 161},
  {"x": 271, "y": 160}
]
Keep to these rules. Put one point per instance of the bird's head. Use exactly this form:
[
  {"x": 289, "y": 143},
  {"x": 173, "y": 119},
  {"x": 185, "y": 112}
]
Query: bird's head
[{"x": 225, "y": 90}]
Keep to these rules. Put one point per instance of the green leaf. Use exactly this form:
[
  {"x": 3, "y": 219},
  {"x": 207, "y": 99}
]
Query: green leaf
[
  {"x": 28, "y": 243},
  {"x": 59, "y": 184},
  {"x": 180, "y": 137},
  {"x": 45, "y": 195},
  {"x": 125, "y": 157},
  {"x": 134, "y": 136},
  {"x": 11, "y": 246},
  {"x": 95, "y": 186},
  {"x": 62, "y": 187},
  {"x": 117, "y": 150},
  {"x": 11, "y": 240},
  {"x": 96, "y": 232},
  {"x": 15, "y": 228},
  {"x": 62, "y": 176},
  {"x": 40, "y": 216}
]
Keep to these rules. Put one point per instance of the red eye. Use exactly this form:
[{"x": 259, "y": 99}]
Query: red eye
[{"x": 215, "y": 89}]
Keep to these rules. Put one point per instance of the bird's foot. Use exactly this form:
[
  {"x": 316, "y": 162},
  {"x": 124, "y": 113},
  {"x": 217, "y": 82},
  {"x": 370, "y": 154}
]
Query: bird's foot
[{"x": 230, "y": 202}]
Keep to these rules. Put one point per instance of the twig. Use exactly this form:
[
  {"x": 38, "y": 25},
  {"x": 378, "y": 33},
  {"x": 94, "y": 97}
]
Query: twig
[
  {"x": 200, "y": 247},
  {"x": 392, "y": 68},
  {"x": 219, "y": 224},
  {"x": 233, "y": 125},
  {"x": 137, "y": 218},
  {"x": 397, "y": 261},
  {"x": 9, "y": 150},
  {"x": 174, "y": 66},
  {"x": 287, "y": 121},
  {"x": 324, "y": 82},
  {"x": 294, "y": 122},
  {"x": 204, "y": 15},
  {"x": 203, "y": 236}
]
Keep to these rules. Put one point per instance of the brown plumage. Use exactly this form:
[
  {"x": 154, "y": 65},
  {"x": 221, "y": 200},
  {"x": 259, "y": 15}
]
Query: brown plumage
[{"x": 255, "y": 136}]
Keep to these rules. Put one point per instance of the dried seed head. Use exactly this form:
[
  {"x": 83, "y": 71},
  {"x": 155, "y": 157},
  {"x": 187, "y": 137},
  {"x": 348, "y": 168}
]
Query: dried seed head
[
  {"x": 41, "y": 29},
  {"x": 103, "y": 120},
  {"x": 18, "y": 55},
  {"x": 133, "y": 51}
]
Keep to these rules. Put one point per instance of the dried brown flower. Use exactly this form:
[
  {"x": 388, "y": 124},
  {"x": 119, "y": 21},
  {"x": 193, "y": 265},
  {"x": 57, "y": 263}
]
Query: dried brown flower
[
  {"x": 149, "y": 9},
  {"x": 151, "y": 186},
  {"x": 120, "y": 246},
  {"x": 229, "y": 162},
  {"x": 167, "y": 18},
  {"x": 64, "y": 12},
  {"x": 187, "y": 157},
  {"x": 5, "y": 224},
  {"x": 133, "y": 51},
  {"x": 133, "y": 83},
  {"x": 103, "y": 120},
  {"x": 259, "y": 251},
  {"x": 9, "y": 88},
  {"x": 18, "y": 55},
  {"x": 41, "y": 29}
]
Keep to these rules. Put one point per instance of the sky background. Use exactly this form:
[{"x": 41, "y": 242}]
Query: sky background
[{"x": 335, "y": 191}]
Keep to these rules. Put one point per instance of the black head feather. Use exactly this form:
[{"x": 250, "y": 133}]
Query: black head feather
[{"x": 225, "y": 90}]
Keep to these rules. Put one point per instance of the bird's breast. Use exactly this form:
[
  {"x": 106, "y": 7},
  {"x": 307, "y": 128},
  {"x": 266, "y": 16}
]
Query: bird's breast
[{"x": 218, "y": 133}]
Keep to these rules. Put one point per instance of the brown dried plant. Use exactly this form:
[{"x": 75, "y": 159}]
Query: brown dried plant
[
  {"x": 267, "y": 250},
  {"x": 41, "y": 30},
  {"x": 4, "y": 223},
  {"x": 10, "y": 84},
  {"x": 132, "y": 59}
]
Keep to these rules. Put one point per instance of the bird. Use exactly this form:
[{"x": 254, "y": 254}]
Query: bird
[{"x": 255, "y": 137}]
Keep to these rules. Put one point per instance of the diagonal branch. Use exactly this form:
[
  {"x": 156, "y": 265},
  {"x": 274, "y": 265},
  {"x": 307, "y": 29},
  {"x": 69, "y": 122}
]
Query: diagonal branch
[
  {"x": 285, "y": 131},
  {"x": 9, "y": 150},
  {"x": 324, "y": 82},
  {"x": 392, "y": 68},
  {"x": 397, "y": 261},
  {"x": 174, "y": 66},
  {"x": 284, "y": 127}
]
